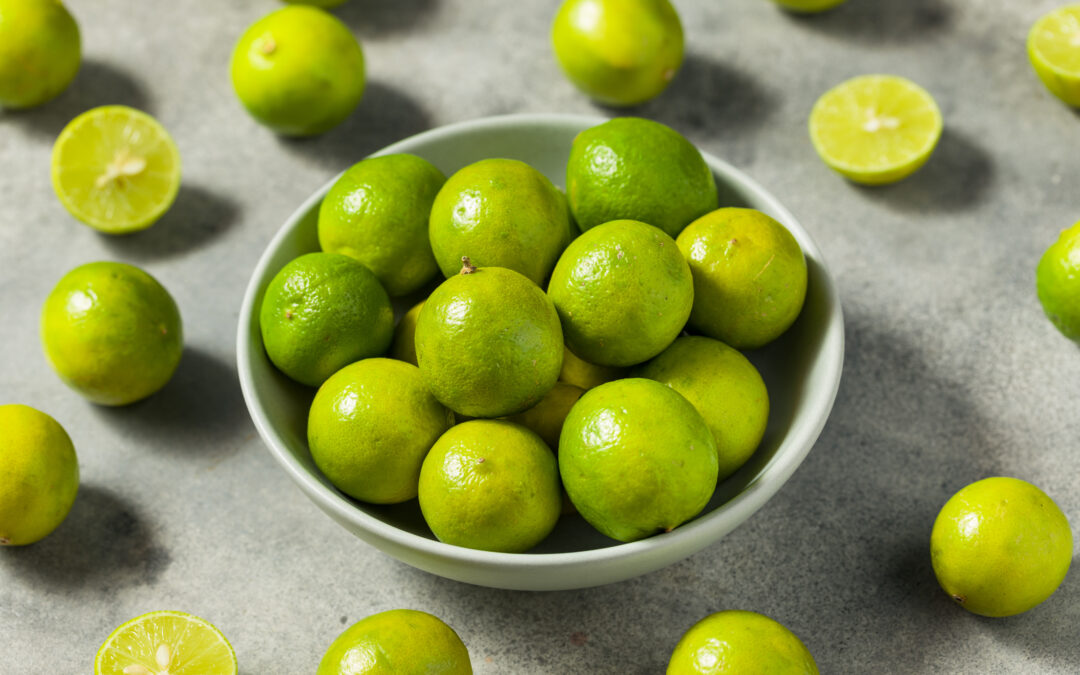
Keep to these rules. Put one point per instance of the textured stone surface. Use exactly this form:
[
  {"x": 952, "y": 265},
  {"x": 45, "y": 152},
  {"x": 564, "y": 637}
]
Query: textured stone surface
[{"x": 952, "y": 373}]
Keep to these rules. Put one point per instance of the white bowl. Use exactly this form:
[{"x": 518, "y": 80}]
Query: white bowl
[{"x": 801, "y": 370}]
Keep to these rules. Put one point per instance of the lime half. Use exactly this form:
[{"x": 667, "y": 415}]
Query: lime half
[
  {"x": 875, "y": 129},
  {"x": 116, "y": 169},
  {"x": 1054, "y": 50},
  {"x": 166, "y": 643}
]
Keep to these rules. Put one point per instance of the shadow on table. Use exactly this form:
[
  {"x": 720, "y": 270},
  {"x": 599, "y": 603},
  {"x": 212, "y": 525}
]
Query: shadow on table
[
  {"x": 374, "y": 19},
  {"x": 878, "y": 21}
]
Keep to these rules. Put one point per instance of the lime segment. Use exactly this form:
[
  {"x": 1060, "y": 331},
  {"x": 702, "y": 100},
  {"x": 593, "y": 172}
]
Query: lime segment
[
  {"x": 172, "y": 643},
  {"x": 1054, "y": 50}
]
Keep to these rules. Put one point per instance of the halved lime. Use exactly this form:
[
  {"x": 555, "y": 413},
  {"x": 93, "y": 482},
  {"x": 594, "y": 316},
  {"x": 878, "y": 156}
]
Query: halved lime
[
  {"x": 1054, "y": 50},
  {"x": 116, "y": 169},
  {"x": 875, "y": 129},
  {"x": 166, "y": 643}
]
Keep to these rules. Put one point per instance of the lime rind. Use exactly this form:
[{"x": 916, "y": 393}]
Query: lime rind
[
  {"x": 1054, "y": 51},
  {"x": 193, "y": 646}
]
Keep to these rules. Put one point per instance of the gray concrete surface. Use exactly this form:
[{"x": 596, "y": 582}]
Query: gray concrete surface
[{"x": 952, "y": 373}]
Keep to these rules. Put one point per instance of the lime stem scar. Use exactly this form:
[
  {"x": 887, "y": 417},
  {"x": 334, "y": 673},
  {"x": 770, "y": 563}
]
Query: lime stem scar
[{"x": 466, "y": 265}]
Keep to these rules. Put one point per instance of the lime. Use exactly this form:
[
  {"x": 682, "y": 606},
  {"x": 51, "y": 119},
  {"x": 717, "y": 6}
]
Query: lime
[
  {"x": 370, "y": 426},
  {"x": 740, "y": 643},
  {"x": 546, "y": 417},
  {"x": 500, "y": 213},
  {"x": 377, "y": 212},
  {"x": 320, "y": 313},
  {"x": 112, "y": 332},
  {"x": 724, "y": 387},
  {"x": 636, "y": 459},
  {"x": 490, "y": 485},
  {"x": 1000, "y": 546},
  {"x": 166, "y": 643},
  {"x": 325, "y": 4},
  {"x": 1057, "y": 281},
  {"x": 585, "y": 375},
  {"x": 623, "y": 292},
  {"x": 875, "y": 129},
  {"x": 1054, "y": 51},
  {"x": 397, "y": 642},
  {"x": 116, "y": 169},
  {"x": 403, "y": 348},
  {"x": 619, "y": 52},
  {"x": 809, "y": 6},
  {"x": 637, "y": 169},
  {"x": 39, "y": 475},
  {"x": 40, "y": 51},
  {"x": 749, "y": 276},
  {"x": 299, "y": 71},
  {"x": 489, "y": 342}
]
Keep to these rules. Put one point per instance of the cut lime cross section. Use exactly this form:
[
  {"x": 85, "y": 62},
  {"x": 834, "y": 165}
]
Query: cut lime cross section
[
  {"x": 875, "y": 129},
  {"x": 1054, "y": 50},
  {"x": 166, "y": 643},
  {"x": 116, "y": 169}
]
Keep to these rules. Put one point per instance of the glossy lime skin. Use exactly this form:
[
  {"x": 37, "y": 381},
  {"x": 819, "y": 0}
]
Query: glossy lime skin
[
  {"x": 40, "y": 51},
  {"x": 403, "y": 347},
  {"x": 1057, "y": 282},
  {"x": 490, "y": 485},
  {"x": 377, "y": 212},
  {"x": 619, "y": 52},
  {"x": 397, "y": 642},
  {"x": 636, "y": 459},
  {"x": 298, "y": 70},
  {"x": 489, "y": 343},
  {"x": 546, "y": 417},
  {"x": 321, "y": 312},
  {"x": 809, "y": 6},
  {"x": 499, "y": 213},
  {"x": 724, "y": 387},
  {"x": 637, "y": 169},
  {"x": 749, "y": 276},
  {"x": 737, "y": 642},
  {"x": 1000, "y": 546},
  {"x": 585, "y": 375},
  {"x": 112, "y": 333},
  {"x": 324, "y": 4},
  {"x": 623, "y": 292}
]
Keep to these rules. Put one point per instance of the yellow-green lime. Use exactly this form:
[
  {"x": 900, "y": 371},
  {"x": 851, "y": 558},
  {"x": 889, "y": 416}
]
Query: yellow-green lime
[
  {"x": 875, "y": 129},
  {"x": 112, "y": 332},
  {"x": 166, "y": 642},
  {"x": 1000, "y": 546},
  {"x": 39, "y": 475},
  {"x": 403, "y": 348},
  {"x": 809, "y": 6},
  {"x": 40, "y": 51},
  {"x": 1054, "y": 50},
  {"x": 321, "y": 312},
  {"x": 1057, "y": 281},
  {"x": 546, "y": 417},
  {"x": 585, "y": 375},
  {"x": 324, "y": 4},
  {"x": 490, "y": 485},
  {"x": 736, "y": 642},
  {"x": 397, "y": 642},
  {"x": 116, "y": 169}
]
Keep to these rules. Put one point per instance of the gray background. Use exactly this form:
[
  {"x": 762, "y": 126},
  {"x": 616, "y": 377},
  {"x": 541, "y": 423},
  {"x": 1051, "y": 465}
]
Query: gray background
[{"x": 952, "y": 373}]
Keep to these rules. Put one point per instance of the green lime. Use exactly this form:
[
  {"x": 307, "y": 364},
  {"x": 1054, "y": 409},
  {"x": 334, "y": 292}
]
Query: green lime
[
  {"x": 325, "y": 4},
  {"x": 489, "y": 342},
  {"x": 749, "y": 276},
  {"x": 39, "y": 475},
  {"x": 490, "y": 485},
  {"x": 736, "y": 642},
  {"x": 1000, "y": 547},
  {"x": 499, "y": 213},
  {"x": 320, "y": 313},
  {"x": 116, "y": 169},
  {"x": 166, "y": 643},
  {"x": 299, "y": 71},
  {"x": 637, "y": 169},
  {"x": 377, "y": 212},
  {"x": 623, "y": 292},
  {"x": 546, "y": 417},
  {"x": 112, "y": 332},
  {"x": 636, "y": 459},
  {"x": 724, "y": 387},
  {"x": 370, "y": 426},
  {"x": 1057, "y": 281},
  {"x": 40, "y": 51},
  {"x": 585, "y": 375},
  {"x": 619, "y": 52},
  {"x": 403, "y": 348},
  {"x": 1054, "y": 50},
  {"x": 397, "y": 642},
  {"x": 809, "y": 6}
]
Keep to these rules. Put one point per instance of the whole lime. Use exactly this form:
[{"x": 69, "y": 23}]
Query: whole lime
[
  {"x": 39, "y": 475},
  {"x": 499, "y": 213},
  {"x": 619, "y": 52},
  {"x": 637, "y": 169},
  {"x": 636, "y": 459},
  {"x": 737, "y": 642},
  {"x": 40, "y": 51},
  {"x": 321, "y": 312},
  {"x": 298, "y": 70},
  {"x": 397, "y": 642},
  {"x": 749, "y": 276},
  {"x": 809, "y": 6},
  {"x": 324, "y": 4},
  {"x": 1000, "y": 546},
  {"x": 490, "y": 485},
  {"x": 585, "y": 375},
  {"x": 489, "y": 342},
  {"x": 377, "y": 212},
  {"x": 403, "y": 348},
  {"x": 1057, "y": 282},
  {"x": 623, "y": 292},
  {"x": 546, "y": 417},
  {"x": 112, "y": 332}
]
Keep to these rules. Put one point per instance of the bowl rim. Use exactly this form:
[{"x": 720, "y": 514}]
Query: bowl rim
[{"x": 708, "y": 527}]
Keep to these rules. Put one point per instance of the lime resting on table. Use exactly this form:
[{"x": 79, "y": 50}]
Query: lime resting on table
[
  {"x": 397, "y": 642},
  {"x": 1057, "y": 282},
  {"x": 169, "y": 642},
  {"x": 809, "y": 6},
  {"x": 1054, "y": 51},
  {"x": 40, "y": 51},
  {"x": 736, "y": 642}
]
